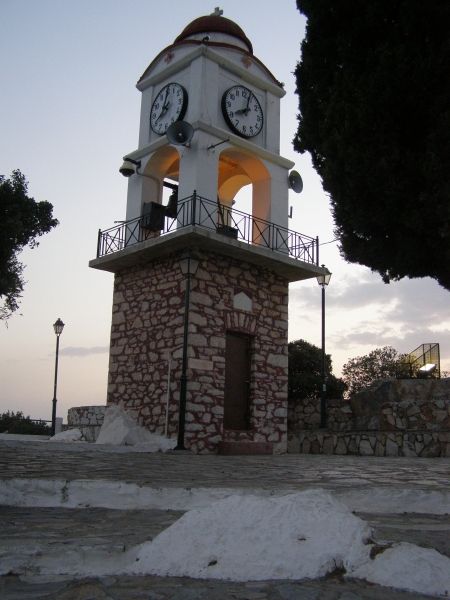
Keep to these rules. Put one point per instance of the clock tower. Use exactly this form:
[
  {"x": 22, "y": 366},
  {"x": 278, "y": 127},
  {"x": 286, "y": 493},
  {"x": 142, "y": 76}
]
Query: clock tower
[{"x": 200, "y": 306}]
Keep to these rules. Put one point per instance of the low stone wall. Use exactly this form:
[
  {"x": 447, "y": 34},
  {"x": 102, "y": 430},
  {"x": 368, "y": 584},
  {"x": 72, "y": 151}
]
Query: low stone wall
[
  {"x": 374, "y": 443},
  {"x": 408, "y": 417},
  {"x": 305, "y": 415},
  {"x": 88, "y": 419},
  {"x": 403, "y": 405}
]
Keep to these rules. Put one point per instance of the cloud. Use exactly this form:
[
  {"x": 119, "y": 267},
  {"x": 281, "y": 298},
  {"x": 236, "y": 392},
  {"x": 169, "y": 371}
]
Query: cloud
[
  {"x": 407, "y": 341},
  {"x": 347, "y": 291},
  {"x": 84, "y": 350},
  {"x": 410, "y": 302}
]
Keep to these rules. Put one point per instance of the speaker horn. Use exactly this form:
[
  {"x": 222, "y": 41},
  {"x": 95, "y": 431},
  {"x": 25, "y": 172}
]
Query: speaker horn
[
  {"x": 180, "y": 133},
  {"x": 295, "y": 181},
  {"x": 129, "y": 166}
]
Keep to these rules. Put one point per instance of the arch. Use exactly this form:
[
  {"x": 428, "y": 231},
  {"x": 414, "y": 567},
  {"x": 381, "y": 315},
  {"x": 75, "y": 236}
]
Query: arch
[
  {"x": 238, "y": 168},
  {"x": 164, "y": 162}
]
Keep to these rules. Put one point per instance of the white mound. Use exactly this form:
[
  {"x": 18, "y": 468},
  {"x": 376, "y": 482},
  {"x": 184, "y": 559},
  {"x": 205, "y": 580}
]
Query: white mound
[
  {"x": 70, "y": 435},
  {"x": 409, "y": 567},
  {"x": 120, "y": 429},
  {"x": 244, "y": 538},
  {"x": 252, "y": 538}
]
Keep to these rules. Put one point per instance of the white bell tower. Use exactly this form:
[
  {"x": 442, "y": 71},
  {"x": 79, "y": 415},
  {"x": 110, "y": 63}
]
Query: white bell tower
[
  {"x": 232, "y": 102},
  {"x": 204, "y": 355}
]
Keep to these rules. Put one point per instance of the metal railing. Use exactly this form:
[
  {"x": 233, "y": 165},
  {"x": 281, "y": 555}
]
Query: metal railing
[
  {"x": 204, "y": 213},
  {"x": 412, "y": 364}
]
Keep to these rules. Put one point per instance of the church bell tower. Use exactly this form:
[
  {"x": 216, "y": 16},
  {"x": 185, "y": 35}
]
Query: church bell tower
[{"x": 199, "y": 346}]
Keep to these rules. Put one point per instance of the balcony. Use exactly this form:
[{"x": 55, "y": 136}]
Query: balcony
[{"x": 194, "y": 211}]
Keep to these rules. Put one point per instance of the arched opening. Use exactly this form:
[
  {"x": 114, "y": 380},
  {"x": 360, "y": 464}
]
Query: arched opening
[
  {"x": 154, "y": 200},
  {"x": 237, "y": 170},
  {"x": 163, "y": 164}
]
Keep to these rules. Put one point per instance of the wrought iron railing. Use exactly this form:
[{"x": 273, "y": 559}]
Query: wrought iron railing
[{"x": 196, "y": 210}]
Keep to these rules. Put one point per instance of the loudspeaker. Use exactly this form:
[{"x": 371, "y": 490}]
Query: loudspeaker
[
  {"x": 180, "y": 133},
  {"x": 153, "y": 215},
  {"x": 295, "y": 182}
]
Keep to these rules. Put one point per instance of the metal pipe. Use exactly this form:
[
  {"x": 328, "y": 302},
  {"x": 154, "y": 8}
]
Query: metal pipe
[
  {"x": 183, "y": 378},
  {"x": 169, "y": 367},
  {"x": 323, "y": 400},
  {"x": 54, "y": 387}
]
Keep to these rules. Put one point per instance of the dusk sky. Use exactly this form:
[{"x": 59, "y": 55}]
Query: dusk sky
[{"x": 69, "y": 112}]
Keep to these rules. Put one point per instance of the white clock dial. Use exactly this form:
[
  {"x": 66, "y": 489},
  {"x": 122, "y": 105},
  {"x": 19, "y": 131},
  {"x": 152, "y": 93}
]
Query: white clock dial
[
  {"x": 242, "y": 111},
  {"x": 169, "y": 106}
]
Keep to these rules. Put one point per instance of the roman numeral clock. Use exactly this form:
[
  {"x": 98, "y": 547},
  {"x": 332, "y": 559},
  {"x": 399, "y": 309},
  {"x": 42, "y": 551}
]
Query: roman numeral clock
[{"x": 200, "y": 307}]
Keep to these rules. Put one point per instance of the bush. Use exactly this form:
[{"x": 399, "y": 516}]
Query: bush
[{"x": 11, "y": 422}]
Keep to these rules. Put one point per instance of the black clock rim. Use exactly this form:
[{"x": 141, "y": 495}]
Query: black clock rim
[
  {"x": 227, "y": 118},
  {"x": 183, "y": 106}
]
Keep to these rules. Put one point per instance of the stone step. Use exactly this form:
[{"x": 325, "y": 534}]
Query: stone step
[
  {"x": 244, "y": 447},
  {"x": 98, "y": 534},
  {"x": 34, "y": 539}
]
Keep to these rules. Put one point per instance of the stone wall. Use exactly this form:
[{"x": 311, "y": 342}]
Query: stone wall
[
  {"x": 147, "y": 334},
  {"x": 305, "y": 415},
  {"x": 408, "y": 417},
  {"x": 88, "y": 419},
  {"x": 371, "y": 443},
  {"x": 404, "y": 404}
]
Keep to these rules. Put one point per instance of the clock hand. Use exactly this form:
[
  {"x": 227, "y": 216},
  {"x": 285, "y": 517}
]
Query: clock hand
[
  {"x": 247, "y": 108},
  {"x": 165, "y": 106}
]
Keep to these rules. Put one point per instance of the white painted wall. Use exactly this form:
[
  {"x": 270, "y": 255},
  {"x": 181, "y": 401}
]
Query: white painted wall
[{"x": 207, "y": 73}]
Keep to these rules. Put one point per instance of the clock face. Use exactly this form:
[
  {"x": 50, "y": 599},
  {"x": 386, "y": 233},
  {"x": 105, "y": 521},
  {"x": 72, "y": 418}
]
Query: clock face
[
  {"x": 242, "y": 111},
  {"x": 169, "y": 106}
]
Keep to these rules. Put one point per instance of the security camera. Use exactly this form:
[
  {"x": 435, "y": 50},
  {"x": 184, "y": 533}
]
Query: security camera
[{"x": 129, "y": 167}]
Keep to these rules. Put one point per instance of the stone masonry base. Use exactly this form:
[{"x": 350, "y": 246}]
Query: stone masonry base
[{"x": 371, "y": 443}]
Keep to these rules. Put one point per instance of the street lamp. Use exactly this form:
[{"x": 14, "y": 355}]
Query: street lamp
[
  {"x": 58, "y": 326},
  {"x": 323, "y": 280},
  {"x": 188, "y": 265}
]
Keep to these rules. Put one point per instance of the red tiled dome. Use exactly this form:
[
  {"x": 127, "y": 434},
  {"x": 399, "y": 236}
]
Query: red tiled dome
[{"x": 214, "y": 24}]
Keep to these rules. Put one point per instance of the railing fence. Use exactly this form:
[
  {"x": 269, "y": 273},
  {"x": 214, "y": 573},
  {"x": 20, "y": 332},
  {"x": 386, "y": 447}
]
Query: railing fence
[{"x": 196, "y": 210}]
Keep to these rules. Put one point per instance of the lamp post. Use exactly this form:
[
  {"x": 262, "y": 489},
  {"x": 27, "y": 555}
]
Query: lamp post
[
  {"x": 189, "y": 265},
  {"x": 58, "y": 326},
  {"x": 323, "y": 280}
]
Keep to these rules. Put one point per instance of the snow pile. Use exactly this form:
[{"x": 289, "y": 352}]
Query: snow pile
[
  {"x": 302, "y": 535},
  {"x": 119, "y": 428},
  {"x": 245, "y": 538},
  {"x": 70, "y": 435},
  {"x": 253, "y": 538},
  {"x": 409, "y": 567}
]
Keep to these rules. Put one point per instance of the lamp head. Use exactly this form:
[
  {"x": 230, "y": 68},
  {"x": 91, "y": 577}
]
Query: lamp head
[
  {"x": 324, "y": 279},
  {"x": 189, "y": 263},
  {"x": 58, "y": 326}
]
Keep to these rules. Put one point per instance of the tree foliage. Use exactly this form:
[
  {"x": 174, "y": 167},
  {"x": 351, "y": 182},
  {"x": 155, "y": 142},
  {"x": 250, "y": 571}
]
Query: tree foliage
[
  {"x": 305, "y": 372},
  {"x": 360, "y": 372},
  {"x": 22, "y": 221},
  {"x": 11, "y": 422},
  {"x": 374, "y": 97}
]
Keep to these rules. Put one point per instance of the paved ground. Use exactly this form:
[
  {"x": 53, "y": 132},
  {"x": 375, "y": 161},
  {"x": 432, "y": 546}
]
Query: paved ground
[
  {"x": 28, "y": 530},
  {"x": 52, "y": 460}
]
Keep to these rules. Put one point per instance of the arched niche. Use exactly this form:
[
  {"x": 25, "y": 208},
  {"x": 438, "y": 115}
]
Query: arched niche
[
  {"x": 164, "y": 163},
  {"x": 237, "y": 169}
]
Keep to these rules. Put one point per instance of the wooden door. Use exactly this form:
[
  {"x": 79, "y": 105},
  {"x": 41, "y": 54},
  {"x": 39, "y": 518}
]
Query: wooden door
[{"x": 237, "y": 381}]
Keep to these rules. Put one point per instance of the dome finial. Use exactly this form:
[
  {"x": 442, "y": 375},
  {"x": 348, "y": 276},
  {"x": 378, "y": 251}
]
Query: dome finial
[{"x": 218, "y": 12}]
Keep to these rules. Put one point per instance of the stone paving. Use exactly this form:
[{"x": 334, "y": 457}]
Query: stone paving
[
  {"x": 40, "y": 530},
  {"x": 173, "y": 588},
  {"x": 59, "y": 460}
]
